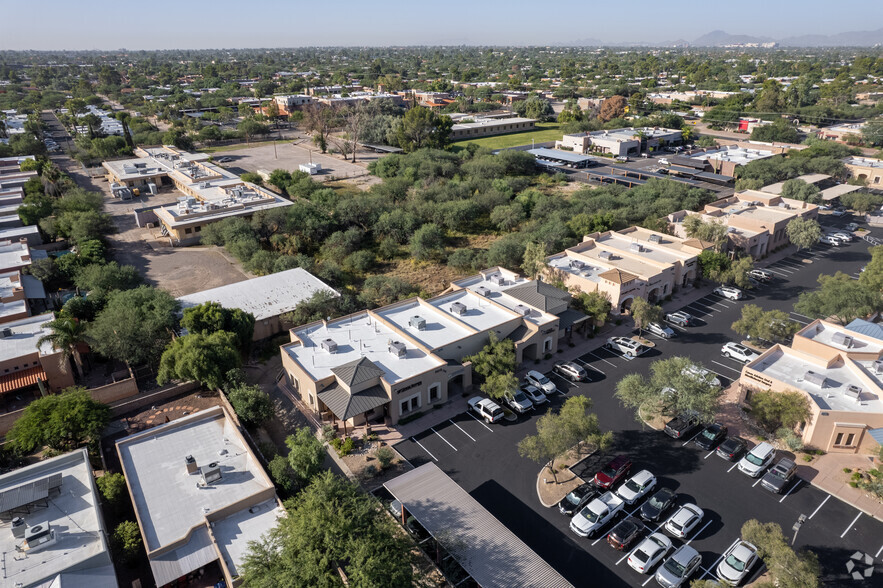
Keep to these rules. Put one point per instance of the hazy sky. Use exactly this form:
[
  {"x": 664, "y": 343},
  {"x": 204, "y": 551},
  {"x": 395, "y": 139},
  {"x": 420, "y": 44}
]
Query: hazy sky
[{"x": 164, "y": 24}]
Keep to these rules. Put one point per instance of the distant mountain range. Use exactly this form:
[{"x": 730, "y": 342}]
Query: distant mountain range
[{"x": 722, "y": 38}]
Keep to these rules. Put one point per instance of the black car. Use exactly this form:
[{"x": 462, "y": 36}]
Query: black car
[
  {"x": 732, "y": 448},
  {"x": 658, "y": 504},
  {"x": 625, "y": 533},
  {"x": 711, "y": 436},
  {"x": 577, "y": 498}
]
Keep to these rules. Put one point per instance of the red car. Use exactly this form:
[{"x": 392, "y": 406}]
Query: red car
[{"x": 613, "y": 472}]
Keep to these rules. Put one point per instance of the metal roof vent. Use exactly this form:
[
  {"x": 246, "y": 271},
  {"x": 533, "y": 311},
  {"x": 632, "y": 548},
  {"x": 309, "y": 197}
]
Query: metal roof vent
[
  {"x": 498, "y": 279},
  {"x": 329, "y": 345},
  {"x": 655, "y": 239},
  {"x": 813, "y": 378},
  {"x": 636, "y": 247},
  {"x": 522, "y": 310},
  {"x": 418, "y": 322},
  {"x": 7, "y": 332},
  {"x": 18, "y": 527},
  {"x": 190, "y": 463},
  {"x": 605, "y": 255},
  {"x": 398, "y": 349},
  {"x": 853, "y": 391},
  {"x": 210, "y": 473},
  {"x": 842, "y": 339},
  {"x": 458, "y": 308},
  {"x": 577, "y": 264},
  {"x": 483, "y": 291}
]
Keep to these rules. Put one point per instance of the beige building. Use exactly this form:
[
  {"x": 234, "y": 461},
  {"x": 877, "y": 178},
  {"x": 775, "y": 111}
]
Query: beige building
[
  {"x": 402, "y": 359},
  {"x": 635, "y": 262},
  {"x": 865, "y": 169},
  {"x": 841, "y": 373},
  {"x": 756, "y": 221},
  {"x": 628, "y": 141},
  {"x": 28, "y": 366},
  {"x": 485, "y": 127},
  {"x": 841, "y": 133}
]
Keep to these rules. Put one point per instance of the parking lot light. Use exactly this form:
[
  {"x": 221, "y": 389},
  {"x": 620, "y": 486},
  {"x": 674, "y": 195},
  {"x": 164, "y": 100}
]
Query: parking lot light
[{"x": 796, "y": 527}]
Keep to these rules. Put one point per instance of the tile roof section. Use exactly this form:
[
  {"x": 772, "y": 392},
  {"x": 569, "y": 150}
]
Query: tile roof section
[{"x": 618, "y": 276}]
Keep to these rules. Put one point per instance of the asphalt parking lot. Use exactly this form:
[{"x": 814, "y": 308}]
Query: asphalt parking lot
[{"x": 484, "y": 459}]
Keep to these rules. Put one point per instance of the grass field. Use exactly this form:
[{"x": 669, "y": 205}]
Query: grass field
[{"x": 544, "y": 132}]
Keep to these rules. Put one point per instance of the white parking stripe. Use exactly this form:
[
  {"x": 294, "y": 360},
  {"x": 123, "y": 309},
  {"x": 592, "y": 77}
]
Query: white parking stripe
[
  {"x": 721, "y": 300},
  {"x": 797, "y": 320},
  {"x": 459, "y": 427},
  {"x": 677, "y": 328},
  {"x": 597, "y": 369},
  {"x": 792, "y": 263},
  {"x": 759, "y": 478},
  {"x": 480, "y": 422},
  {"x": 850, "y": 525},
  {"x": 732, "y": 466},
  {"x": 803, "y": 316},
  {"x": 775, "y": 271},
  {"x": 726, "y": 366},
  {"x": 601, "y": 358},
  {"x": 828, "y": 497},
  {"x": 691, "y": 438},
  {"x": 442, "y": 438},
  {"x": 710, "y": 453},
  {"x": 696, "y": 307},
  {"x": 647, "y": 581},
  {"x": 878, "y": 551},
  {"x": 697, "y": 533},
  {"x": 718, "y": 560},
  {"x": 423, "y": 448},
  {"x": 796, "y": 484}
]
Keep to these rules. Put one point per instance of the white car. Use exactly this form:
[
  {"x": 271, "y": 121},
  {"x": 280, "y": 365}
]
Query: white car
[
  {"x": 534, "y": 395},
  {"x": 700, "y": 373},
  {"x": 535, "y": 378},
  {"x": 729, "y": 292},
  {"x": 838, "y": 211},
  {"x": 737, "y": 563},
  {"x": 628, "y": 347},
  {"x": 486, "y": 408},
  {"x": 660, "y": 330},
  {"x": 637, "y": 487},
  {"x": 757, "y": 460},
  {"x": 663, "y": 161},
  {"x": 518, "y": 401},
  {"x": 739, "y": 352},
  {"x": 830, "y": 240},
  {"x": 684, "y": 520},
  {"x": 649, "y": 553},
  {"x": 843, "y": 236}
]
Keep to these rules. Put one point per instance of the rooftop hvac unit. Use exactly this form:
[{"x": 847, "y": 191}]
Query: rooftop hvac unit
[
  {"x": 329, "y": 345},
  {"x": 418, "y": 322},
  {"x": 458, "y": 308},
  {"x": 18, "y": 527},
  {"x": 853, "y": 391},
  {"x": 813, "y": 378},
  {"x": 210, "y": 473},
  {"x": 483, "y": 291},
  {"x": 655, "y": 239},
  {"x": 636, "y": 247},
  {"x": 522, "y": 310},
  {"x": 39, "y": 536},
  {"x": 398, "y": 349},
  {"x": 842, "y": 339},
  {"x": 203, "y": 185},
  {"x": 7, "y": 332},
  {"x": 605, "y": 255},
  {"x": 878, "y": 366},
  {"x": 577, "y": 264},
  {"x": 498, "y": 279}
]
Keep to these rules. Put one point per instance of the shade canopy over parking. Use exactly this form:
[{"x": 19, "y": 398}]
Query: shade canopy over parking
[{"x": 481, "y": 544}]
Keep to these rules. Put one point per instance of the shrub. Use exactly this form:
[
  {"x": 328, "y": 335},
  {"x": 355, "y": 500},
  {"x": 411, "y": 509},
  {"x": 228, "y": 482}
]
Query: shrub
[
  {"x": 112, "y": 487},
  {"x": 384, "y": 456},
  {"x": 251, "y": 403},
  {"x": 347, "y": 447},
  {"x": 790, "y": 439},
  {"x": 328, "y": 433},
  {"x": 127, "y": 540},
  {"x": 847, "y": 470},
  {"x": 370, "y": 471}
]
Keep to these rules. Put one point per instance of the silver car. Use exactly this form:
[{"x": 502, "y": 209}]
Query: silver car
[
  {"x": 677, "y": 569},
  {"x": 660, "y": 330},
  {"x": 737, "y": 563},
  {"x": 518, "y": 401}
]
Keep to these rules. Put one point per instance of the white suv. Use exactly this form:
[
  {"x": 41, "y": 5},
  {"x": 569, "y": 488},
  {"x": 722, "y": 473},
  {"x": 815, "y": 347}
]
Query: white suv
[
  {"x": 729, "y": 292},
  {"x": 535, "y": 378},
  {"x": 628, "y": 347},
  {"x": 739, "y": 352},
  {"x": 757, "y": 460}
]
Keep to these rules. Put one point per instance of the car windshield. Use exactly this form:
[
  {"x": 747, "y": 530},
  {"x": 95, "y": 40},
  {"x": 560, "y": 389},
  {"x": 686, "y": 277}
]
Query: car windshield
[
  {"x": 676, "y": 525},
  {"x": 573, "y": 498},
  {"x": 735, "y": 563},
  {"x": 709, "y": 434},
  {"x": 542, "y": 380},
  {"x": 779, "y": 472},
  {"x": 641, "y": 556},
  {"x": 608, "y": 471},
  {"x": 520, "y": 397},
  {"x": 633, "y": 486},
  {"x": 656, "y": 501},
  {"x": 591, "y": 516},
  {"x": 674, "y": 567},
  {"x": 754, "y": 459}
]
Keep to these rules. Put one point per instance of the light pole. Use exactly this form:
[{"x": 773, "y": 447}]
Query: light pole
[{"x": 796, "y": 527}]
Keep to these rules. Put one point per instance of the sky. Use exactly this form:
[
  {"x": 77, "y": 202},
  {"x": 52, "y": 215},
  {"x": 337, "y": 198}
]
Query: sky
[{"x": 185, "y": 24}]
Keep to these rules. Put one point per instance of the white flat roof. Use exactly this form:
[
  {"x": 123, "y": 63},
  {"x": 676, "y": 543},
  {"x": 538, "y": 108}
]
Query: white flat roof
[
  {"x": 738, "y": 155},
  {"x": 864, "y": 162},
  {"x": 234, "y": 533},
  {"x": 265, "y": 296},
  {"x": 586, "y": 269},
  {"x": 359, "y": 335},
  {"x": 825, "y": 333},
  {"x": 24, "y": 336},
  {"x": 653, "y": 251},
  {"x": 16, "y": 233},
  {"x": 498, "y": 294},
  {"x": 73, "y": 515},
  {"x": 480, "y": 314},
  {"x": 491, "y": 122},
  {"x": 440, "y": 329}
]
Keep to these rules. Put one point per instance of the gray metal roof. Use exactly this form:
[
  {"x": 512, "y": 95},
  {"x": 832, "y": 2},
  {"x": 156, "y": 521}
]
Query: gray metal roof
[
  {"x": 688, "y": 162},
  {"x": 539, "y": 294},
  {"x": 877, "y": 435},
  {"x": 196, "y": 553},
  {"x": 570, "y": 317},
  {"x": 488, "y": 551},
  {"x": 866, "y": 328},
  {"x": 556, "y": 154},
  {"x": 345, "y": 405},
  {"x": 357, "y": 371}
]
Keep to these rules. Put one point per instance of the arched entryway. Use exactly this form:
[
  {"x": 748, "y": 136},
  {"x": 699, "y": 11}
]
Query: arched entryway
[
  {"x": 626, "y": 305},
  {"x": 529, "y": 352}
]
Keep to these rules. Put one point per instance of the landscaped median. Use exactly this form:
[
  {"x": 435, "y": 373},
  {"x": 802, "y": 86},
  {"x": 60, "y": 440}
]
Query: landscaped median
[{"x": 553, "y": 486}]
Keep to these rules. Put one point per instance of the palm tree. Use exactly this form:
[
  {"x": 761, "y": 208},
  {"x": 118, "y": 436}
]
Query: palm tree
[{"x": 67, "y": 333}]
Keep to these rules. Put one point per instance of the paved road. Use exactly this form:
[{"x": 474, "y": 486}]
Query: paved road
[{"x": 484, "y": 460}]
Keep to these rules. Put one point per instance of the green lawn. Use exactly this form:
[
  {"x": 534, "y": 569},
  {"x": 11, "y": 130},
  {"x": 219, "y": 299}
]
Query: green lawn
[{"x": 544, "y": 132}]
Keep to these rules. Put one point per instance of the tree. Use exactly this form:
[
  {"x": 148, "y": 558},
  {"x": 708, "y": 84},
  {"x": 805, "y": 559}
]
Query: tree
[
  {"x": 204, "y": 358},
  {"x": 102, "y": 278},
  {"x": 839, "y": 297},
  {"x": 428, "y": 242},
  {"x": 800, "y": 190},
  {"x": 497, "y": 357},
  {"x": 779, "y": 131},
  {"x": 210, "y": 317},
  {"x": 251, "y": 403},
  {"x": 305, "y": 454},
  {"x": 534, "y": 259},
  {"x": 773, "y": 326},
  {"x": 320, "y": 120},
  {"x": 803, "y": 232},
  {"x": 559, "y": 432},
  {"x": 66, "y": 335},
  {"x": 713, "y": 265},
  {"x": 787, "y": 568},
  {"x": 249, "y": 128},
  {"x": 281, "y": 474},
  {"x": 872, "y": 276},
  {"x": 59, "y": 421},
  {"x": 499, "y": 386},
  {"x": 672, "y": 388},
  {"x": 776, "y": 410},
  {"x": 613, "y": 107},
  {"x": 127, "y": 540},
  {"x": 644, "y": 313},
  {"x": 872, "y": 133},
  {"x": 330, "y": 523},
  {"x": 595, "y": 304},
  {"x": 421, "y": 127},
  {"x": 711, "y": 231},
  {"x": 113, "y": 488},
  {"x": 135, "y": 326}
]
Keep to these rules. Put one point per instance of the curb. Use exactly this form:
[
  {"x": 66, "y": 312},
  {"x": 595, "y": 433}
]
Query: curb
[{"x": 844, "y": 501}]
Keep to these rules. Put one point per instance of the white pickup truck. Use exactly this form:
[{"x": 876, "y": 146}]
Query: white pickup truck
[{"x": 596, "y": 514}]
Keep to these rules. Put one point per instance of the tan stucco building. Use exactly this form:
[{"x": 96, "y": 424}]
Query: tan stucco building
[{"x": 866, "y": 169}]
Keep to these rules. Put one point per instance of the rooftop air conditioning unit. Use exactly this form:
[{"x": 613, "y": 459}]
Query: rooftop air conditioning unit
[
  {"x": 398, "y": 349},
  {"x": 813, "y": 378},
  {"x": 483, "y": 291},
  {"x": 655, "y": 239},
  {"x": 605, "y": 255},
  {"x": 636, "y": 247},
  {"x": 210, "y": 473},
  {"x": 458, "y": 308},
  {"x": 853, "y": 391},
  {"x": 7, "y": 332},
  {"x": 498, "y": 279},
  {"x": 329, "y": 345},
  {"x": 577, "y": 264},
  {"x": 878, "y": 366},
  {"x": 522, "y": 310},
  {"x": 418, "y": 322},
  {"x": 842, "y": 339},
  {"x": 18, "y": 527},
  {"x": 39, "y": 537}
]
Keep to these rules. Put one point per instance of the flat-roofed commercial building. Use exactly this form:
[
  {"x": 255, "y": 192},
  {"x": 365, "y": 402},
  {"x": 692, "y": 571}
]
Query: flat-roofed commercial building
[
  {"x": 840, "y": 371},
  {"x": 200, "y": 495},
  {"x": 756, "y": 221},
  {"x": 725, "y": 160},
  {"x": 485, "y": 127},
  {"x": 55, "y": 536},
  {"x": 400, "y": 359},
  {"x": 866, "y": 169},
  {"x": 627, "y": 141},
  {"x": 841, "y": 132},
  {"x": 635, "y": 262},
  {"x": 26, "y": 364}
]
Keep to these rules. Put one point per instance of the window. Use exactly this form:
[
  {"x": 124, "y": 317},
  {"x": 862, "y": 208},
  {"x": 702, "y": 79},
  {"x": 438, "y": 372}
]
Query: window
[
  {"x": 188, "y": 231},
  {"x": 839, "y": 439},
  {"x": 434, "y": 392},
  {"x": 849, "y": 439},
  {"x": 404, "y": 407},
  {"x": 198, "y": 229}
]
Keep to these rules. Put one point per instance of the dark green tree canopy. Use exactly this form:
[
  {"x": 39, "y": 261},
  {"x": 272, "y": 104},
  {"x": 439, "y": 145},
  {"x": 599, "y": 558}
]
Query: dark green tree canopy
[
  {"x": 60, "y": 421},
  {"x": 210, "y": 317},
  {"x": 204, "y": 358}
]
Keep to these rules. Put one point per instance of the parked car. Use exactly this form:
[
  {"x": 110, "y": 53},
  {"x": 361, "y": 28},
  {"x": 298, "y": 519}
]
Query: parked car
[
  {"x": 739, "y": 352},
  {"x": 625, "y": 533},
  {"x": 711, "y": 436},
  {"x": 729, "y": 292},
  {"x": 760, "y": 275},
  {"x": 485, "y": 408},
  {"x": 737, "y": 563},
  {"x": 534, "y": 395},
  {"x": 731, "y": 448},
  {"x": 659, "y": 503},
  {"x": 621, "y": 158},
  {"x": 596, "y": 514},
  {"x": 700, "y": 373},
  {"x": 757, "y": 460},
  {"x": 779, "y": 476},
  {"x": 577, "y": 498},
  {"x": 663, "y": 161},
  {"x": 678, "y": 568},
  {"x": 611, "y": 474},
  {"x": 223, "y": 160},
  {"x": 541, "y": 381},
  {"x": 682, "y": 319},
  {"x": 660, "y": 330},
  {"x": 518, "y": 401},
  {"x": 681, "y": 425},
  {"x": 628, "y": 347},
  {"x": 843, "y": 236},
  {"x": 852, "y": 227},
  {"x": 571, "y": 370},
  {"x": 835, "y": 236},
  {"x": 649, "y": 552},
  {"x": 636, "y": 487},
  {"x": 828, "y": 239},
  {"x": 839, "y": 211},
  {"x": 684, "y": 520}
]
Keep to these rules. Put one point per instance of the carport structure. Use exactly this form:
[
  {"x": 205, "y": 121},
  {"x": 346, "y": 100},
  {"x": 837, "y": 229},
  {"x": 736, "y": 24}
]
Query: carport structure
[{"x": 483, "y": 546}]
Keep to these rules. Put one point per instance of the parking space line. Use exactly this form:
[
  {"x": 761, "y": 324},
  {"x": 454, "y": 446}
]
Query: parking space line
[
  {"x": 478, "y": 420},
  {"x": 828, "y": 497},
  {"x": 461, "y": 429},
  {"x": 442, "y": 438},
  {"x": 851, "y": 524},
  {"x": 677, "y": 328},
  {"x": 878, "y": 551},
  {"x": 699, "y": 532},
  {"x": 717, "y": 561},
  {"x": 759, "y": 478},
  {"x": 711, "y": 302},
  {"x": 691, "y": 438},
  {"x": 647, "y": 581},
  {"x": 423, "y": 448},
  {"x": 601, "y": 358},
  {"x": 776, "y": 271},
  {"x": 723, "y": 301},
  {"x": 795, "y": 485},
  {"x": 732, "y": 466},
  {"x": 709, "y": 454},
  {"x": 591, "y": 366},
  {"x": 726, "y": 366},
  {"x": 804, "y": 316},
  {"x": 796, "y": 320},
  {"x": 699, "y": 308}
]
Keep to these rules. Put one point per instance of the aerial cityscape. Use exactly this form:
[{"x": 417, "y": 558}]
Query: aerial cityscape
[{"x": 461, "y": 296}]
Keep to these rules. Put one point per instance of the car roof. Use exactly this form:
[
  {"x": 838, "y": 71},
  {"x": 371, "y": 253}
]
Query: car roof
[
  {"x": 684, "y": 554},
  {"x": 643, "y": 476},
  {"x": 535, "y": 374},
  {"x": 785, "y": 463},
  {"x": 743, "y": 550},
  {"x": 686, "y": 512},
  {"x": 762, "y": 448}
]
